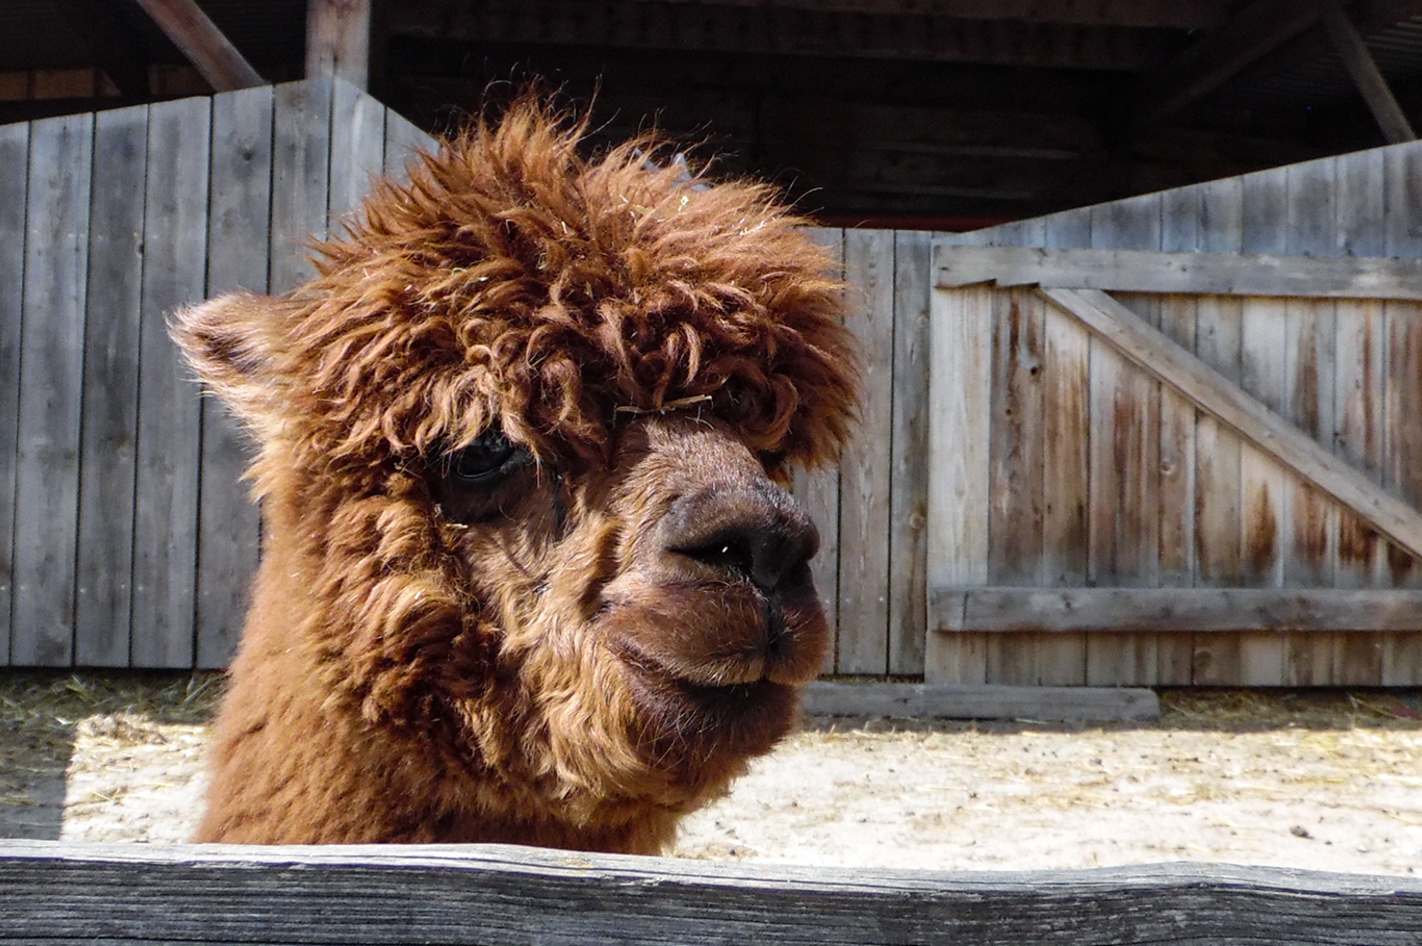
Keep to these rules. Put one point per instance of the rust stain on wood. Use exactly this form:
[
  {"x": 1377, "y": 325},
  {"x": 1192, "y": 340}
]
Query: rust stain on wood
[
  {"x": 1311, "y": 528},
  {"x": 1356, "y": 542},
  {"x": 1262, "y": 536}
]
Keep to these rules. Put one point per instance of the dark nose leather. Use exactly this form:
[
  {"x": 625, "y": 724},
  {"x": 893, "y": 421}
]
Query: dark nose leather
[{"x": 756, "y": 531}]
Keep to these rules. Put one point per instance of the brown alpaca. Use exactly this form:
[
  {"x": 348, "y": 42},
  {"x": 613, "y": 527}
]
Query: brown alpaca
[{"x": 529, "y": 575}]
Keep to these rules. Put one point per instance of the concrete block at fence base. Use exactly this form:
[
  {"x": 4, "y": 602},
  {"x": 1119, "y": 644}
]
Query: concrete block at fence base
[{"x": 928, "y": 701}]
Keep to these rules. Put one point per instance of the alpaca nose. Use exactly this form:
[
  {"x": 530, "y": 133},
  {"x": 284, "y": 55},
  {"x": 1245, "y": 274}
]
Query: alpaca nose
[{"x": 757, "y": 532}]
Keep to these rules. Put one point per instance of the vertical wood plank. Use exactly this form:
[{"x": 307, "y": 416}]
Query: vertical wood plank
[
  {"x": 818, "y": 492},
  {"x": 1265, "y": 487},
  {"x": 1125, "y": 460},
  {"x": 403, "y": 142},
  {"x": 865, "y": 467},
  {"x": 301, "y": 152},
  {"x": 1218, "y": 450},
  {"x": 1180, "y": 221},
  {"x": 1402, "y": 471},
  {"x": 229, "y": 524},
  {"x": 51, "y": 383},
  {"x": 1360, "y": 366},
  {"x": 908, "y": 486},
  {"x": 960, "y": 374},
  {"x": 1015, "y": 517},
  {"x": 357, "y": 149},
  {"x": 1310, "y": 550},
  {"x": 14, "y": 175},
  {"x": 169, "y": 416},
  {"x": 111, "y": 370},
  {"x": 1066, "y": 405}
]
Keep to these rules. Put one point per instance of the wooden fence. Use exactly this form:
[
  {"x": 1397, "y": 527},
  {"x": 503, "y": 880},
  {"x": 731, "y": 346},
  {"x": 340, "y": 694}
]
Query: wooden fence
[
  {"x": 1192, "y": 454},
  {"x": 125, "y": 540},
  {"x": 485, "y": 894}
]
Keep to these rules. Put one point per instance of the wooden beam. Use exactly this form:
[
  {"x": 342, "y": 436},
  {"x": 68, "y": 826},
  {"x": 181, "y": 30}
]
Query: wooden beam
[
  {"x": 1252, "y": 32},
  {"x": 1186, "y": 610},
  {"x": 1159, "y": 14},
  {"x": 669, "y": 25},
  {"x": 1364, "y": 70},
  {"x": 983, "y": 701},
  {"x": 520, "y": 896},
  {"x": 204, "y": 45},
  {"x": 1337, "y": 277},
  {"x": 1157, "y": 354},
  {"x": 338, "y": 40}
]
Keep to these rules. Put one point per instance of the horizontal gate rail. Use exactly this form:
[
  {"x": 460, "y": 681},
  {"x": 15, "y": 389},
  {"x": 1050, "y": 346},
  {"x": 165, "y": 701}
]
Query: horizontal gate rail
[
  {"x": 1337, "y": 277},
  {"x": 510, "y": 895},
  {"x": 1011, "y": 610}
]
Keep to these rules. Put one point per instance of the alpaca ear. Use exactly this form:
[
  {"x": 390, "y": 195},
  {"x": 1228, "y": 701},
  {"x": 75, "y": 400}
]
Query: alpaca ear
[{"x": 233, "y": 342}]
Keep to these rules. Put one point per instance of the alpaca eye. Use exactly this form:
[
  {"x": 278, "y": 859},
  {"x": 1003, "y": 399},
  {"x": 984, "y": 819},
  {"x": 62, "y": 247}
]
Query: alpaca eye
[{"x": 485, "y": 461}]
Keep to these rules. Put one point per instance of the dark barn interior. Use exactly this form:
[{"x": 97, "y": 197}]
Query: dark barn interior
[{"x": 943, "y": 114}]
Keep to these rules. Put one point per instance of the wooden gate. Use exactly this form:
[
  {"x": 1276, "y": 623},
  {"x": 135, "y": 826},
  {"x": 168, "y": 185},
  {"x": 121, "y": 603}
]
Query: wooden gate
[{"x": 1178, "y": 439}]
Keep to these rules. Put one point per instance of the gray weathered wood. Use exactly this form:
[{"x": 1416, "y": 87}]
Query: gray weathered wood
[
  {"x": 51, "y": 382},
  {"x": 239, "y": 218},
  {"x": 1174, "y": 610},
  {"x": 512, "y": 896},
  {"x": 338, "y": 40},
  {"x": 111, "y": 370},
  {"x": 357, "y": 149},
  {"x": 908, "y": 487},
  {"x": 1394, "y": 518},
  {"x": 866, "y": 464},
  {"x": 404, "y": 141},
  {"x": 983, "y": 701},
  {"x": 301, "y": 154},
  {"x": 14, "y": 174},
  {"x": 1136, "y": 270},
  {"x": 169, "y": 412},
  {"x": 960, "y": 376},
  {"x": 818, "y": 491}
]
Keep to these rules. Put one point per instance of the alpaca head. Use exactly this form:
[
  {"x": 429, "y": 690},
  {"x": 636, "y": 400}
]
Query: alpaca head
[{"x": 523, "y": 444}]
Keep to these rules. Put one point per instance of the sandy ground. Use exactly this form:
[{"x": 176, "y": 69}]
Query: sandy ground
[{"x": 1325, "y": 782}]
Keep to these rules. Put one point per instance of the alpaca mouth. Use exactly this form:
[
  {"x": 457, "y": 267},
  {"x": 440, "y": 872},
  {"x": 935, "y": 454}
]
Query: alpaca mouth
[{"x": 709, "y": 701}]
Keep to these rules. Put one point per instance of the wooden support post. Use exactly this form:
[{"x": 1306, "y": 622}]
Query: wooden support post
[
  {"x": 204, "y": 45},
  {"x": 1364, "y": 70},
  {"x": 338, "y": 40}
]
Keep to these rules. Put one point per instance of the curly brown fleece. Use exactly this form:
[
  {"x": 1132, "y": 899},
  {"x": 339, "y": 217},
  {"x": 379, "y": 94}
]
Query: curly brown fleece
[{"x": 520, "y": 662}]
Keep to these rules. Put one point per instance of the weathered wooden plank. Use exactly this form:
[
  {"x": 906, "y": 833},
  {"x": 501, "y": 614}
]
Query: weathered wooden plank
[
  {"x": 1066, "y": 458},
  {"x": 818, "y": 492},
  {"x": 338, "y": 40},
  {"x": 169, "y": 416},
  {"x": 1174, "y": 610},
  {"x": 1402, "y": 468},
  {"x": 1218, "y": 500},
  {"x": 111, "y": 371},
  {"x": 1266, "y": 429},
  {"x": 1125, "y": 459},
  {"x": 403, "y": 142},
  {"x": 202, "y": 43},
  {"x": 867, "y": 461},
  {"x": 357, "y": 149},
  {"x": 960, "y": 377},
  {"x": 51, "y": 382},
  {"x": 988, "y": 701},
  {"x": 908, "y": 486},
  {"x": 1253, "y": 273},
  {"x": 14, "y": 179},
  {"x": 301, "y": 152},
  {"x": 1310, "y": 548},
  {"x": 239, "y": 217},
  {"x": 1180, "y": 222},
  {"x": 513, "y": 895},
  {"x": 1015, "y": 515}
]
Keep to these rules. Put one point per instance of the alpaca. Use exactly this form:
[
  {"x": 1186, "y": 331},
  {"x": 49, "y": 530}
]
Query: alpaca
[{"x": 530, "y": 571}]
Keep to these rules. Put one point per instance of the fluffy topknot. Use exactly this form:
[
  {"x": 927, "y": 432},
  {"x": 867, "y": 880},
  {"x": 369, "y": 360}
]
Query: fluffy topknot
[{"x": 516, "y": 282}]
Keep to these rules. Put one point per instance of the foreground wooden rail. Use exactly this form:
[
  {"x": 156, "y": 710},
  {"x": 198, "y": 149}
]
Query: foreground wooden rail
[{"x": 489, "y": 894}]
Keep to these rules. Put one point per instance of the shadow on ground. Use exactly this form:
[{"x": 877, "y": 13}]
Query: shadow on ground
[{"x": 39, "y": 713}]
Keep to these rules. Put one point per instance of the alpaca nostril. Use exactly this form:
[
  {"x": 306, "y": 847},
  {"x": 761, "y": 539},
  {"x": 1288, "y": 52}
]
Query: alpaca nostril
[{"x": 747, "y": 536}]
